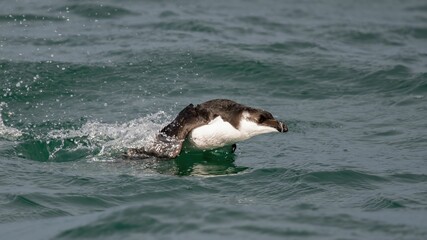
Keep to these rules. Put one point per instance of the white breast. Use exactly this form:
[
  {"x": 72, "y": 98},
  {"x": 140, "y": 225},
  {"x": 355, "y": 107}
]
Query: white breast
[{"x": 219, "y": 133}]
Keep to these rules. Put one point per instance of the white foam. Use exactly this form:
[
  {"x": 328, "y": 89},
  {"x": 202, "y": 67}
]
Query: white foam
[
  {"x": 110, "y": 138},
  {"x": 5, "y": 131}
]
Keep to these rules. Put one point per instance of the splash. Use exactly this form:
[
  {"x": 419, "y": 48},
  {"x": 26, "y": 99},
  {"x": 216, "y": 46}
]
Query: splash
[
  {"x": 6, "y": 132},
  {"x": 94, "y": 140},
  {"x": 112, "y": 139}
]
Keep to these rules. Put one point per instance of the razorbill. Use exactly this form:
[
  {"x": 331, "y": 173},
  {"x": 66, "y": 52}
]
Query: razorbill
[{"x": 209, "y": 125}]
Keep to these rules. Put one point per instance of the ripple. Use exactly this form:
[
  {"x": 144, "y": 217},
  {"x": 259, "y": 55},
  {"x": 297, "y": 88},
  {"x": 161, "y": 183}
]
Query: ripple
[
  {"x": 365, "y": 37},
  {"x": 279, "y": 232},
  {"x": 373, "y": 134},
  {"x": 29, "y": 17},
  {"x": 237, "y": 68},
  {"x": 168, "y": 13},
  {"x": 420, "y": 8},
  {"x": 289, "y": 47},
  {"x": 276, "y": 184},
  {"x": 347, "y": 178},
  {"x": 380, "y": 202},
  {"x": 29, "y": 206},
  {"x": 181, "y": 25},
  {"x": 409, "y": 177},
  {"x": 300, "y": 126},
  {"x": 345, "y": 221},
  {"x": 264, "y": 22},
  {"x": 70, "y": 41},
  {"x": 394, "y": 79},
  {"x": 148, "y": 219},
  {"x": 103, "y": 11}
]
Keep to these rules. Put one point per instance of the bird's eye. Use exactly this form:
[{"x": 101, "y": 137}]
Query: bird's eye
[{"x": 261, "y": 119}]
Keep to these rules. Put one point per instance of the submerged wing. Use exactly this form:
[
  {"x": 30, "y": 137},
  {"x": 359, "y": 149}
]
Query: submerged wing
[
  {"x": 162, "y": 147},
  {"x": 168, "y": 143}
]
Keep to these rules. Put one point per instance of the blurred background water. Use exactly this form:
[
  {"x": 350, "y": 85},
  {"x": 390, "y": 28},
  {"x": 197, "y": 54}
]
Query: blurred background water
[{"x": 81, "y": 81}]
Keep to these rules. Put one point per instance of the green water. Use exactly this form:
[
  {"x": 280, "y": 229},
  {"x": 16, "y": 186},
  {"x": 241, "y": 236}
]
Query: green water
[{"x": 81, "y": 81}]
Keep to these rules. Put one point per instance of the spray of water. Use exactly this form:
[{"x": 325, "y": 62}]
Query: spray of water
[
  {"x": 6, "y": 132},
  {"x": 94, "y": 140},
  {"x": 107, "y": 140}
]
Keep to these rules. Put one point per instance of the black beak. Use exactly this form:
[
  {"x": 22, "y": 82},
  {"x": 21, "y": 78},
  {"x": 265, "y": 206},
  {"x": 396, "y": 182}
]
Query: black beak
[{"x": 281, "y": 127}]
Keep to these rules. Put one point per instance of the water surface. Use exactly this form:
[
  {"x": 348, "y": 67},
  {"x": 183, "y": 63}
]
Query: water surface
[{"x": 81, "y": 81}]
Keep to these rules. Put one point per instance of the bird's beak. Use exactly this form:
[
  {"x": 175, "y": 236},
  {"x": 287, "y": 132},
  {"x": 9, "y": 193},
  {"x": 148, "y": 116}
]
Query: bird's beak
[{"x": 280, "y": 126}]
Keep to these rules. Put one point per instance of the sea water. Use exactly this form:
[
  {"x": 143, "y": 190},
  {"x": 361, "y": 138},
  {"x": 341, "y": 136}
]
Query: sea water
[{"x": 82, "y": 81}]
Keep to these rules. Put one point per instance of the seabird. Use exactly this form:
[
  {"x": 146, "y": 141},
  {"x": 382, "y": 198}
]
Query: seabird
[{"x": 210, "y": 125}]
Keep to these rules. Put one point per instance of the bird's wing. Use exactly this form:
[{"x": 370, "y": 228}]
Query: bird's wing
[
  {"x": 188, "y": 119},
  {"x": 168, "y": 143}
]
